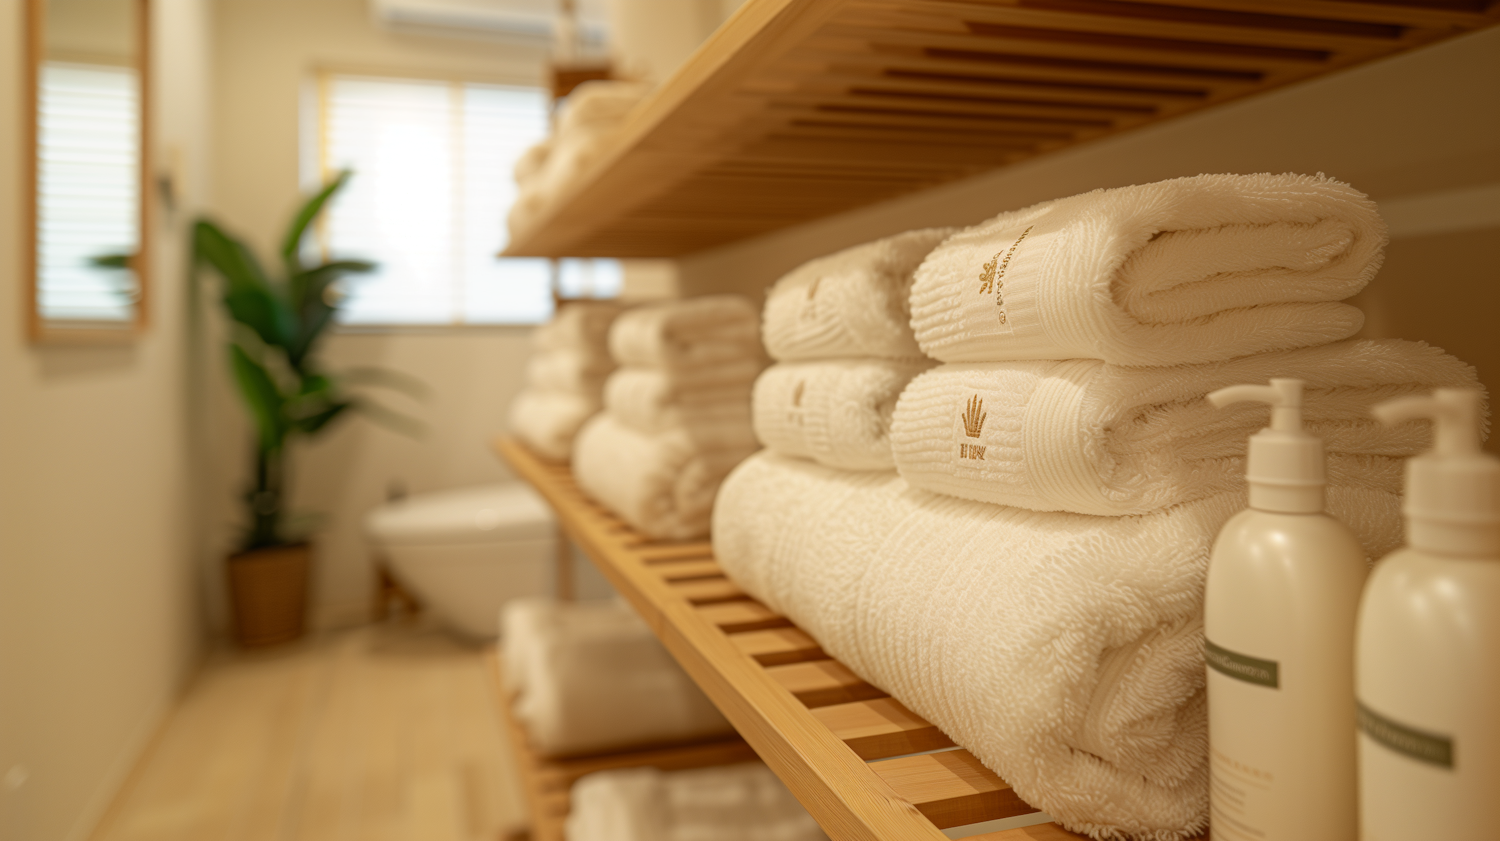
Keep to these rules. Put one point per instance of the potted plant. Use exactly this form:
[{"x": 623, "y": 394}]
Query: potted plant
[{"x": 278, "y": 323}]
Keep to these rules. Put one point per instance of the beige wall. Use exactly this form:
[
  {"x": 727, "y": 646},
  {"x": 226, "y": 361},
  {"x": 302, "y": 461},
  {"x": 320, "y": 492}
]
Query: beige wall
[
  {"x": 98, "y": 605},
  {"x": 1420, "y": 133}
]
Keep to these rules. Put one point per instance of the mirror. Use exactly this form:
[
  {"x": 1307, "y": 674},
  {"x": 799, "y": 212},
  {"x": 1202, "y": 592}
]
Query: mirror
[{"x": 87, "y": 86}]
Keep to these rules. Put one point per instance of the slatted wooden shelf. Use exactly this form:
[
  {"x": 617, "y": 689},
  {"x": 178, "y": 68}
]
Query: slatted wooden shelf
[
  {"x": 861, "y": 763},
  {"x": 798, "y": 109}
]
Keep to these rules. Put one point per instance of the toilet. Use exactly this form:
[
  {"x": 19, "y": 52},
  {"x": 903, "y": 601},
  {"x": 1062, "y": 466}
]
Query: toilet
[{"x": 466, "y": 552}]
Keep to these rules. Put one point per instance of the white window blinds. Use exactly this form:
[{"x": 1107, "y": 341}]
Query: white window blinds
[{"x": 431, "y": 188}]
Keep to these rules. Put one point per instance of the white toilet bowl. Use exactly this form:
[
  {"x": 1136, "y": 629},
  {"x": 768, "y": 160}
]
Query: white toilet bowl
[{"x": 466, "y": 552}]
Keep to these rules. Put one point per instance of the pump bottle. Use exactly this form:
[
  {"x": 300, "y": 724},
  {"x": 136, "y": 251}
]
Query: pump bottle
[
  {"x": 1428, "y": 662},
  {"x": 1284, "y": 583}
]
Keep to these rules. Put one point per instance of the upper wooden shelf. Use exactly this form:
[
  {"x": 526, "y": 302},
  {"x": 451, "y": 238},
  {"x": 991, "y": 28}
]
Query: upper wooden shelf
[{"x": 799, "y": 109}]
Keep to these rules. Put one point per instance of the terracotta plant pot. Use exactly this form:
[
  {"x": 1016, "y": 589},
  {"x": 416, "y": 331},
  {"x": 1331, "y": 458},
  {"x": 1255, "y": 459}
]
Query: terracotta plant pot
[{"x": 268, "y": 594}]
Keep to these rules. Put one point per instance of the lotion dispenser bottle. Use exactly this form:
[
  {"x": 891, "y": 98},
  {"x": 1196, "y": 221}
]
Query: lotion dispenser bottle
[
  {"x": 1284, "y": 584},
  {"x": 1428, "y": 662}
]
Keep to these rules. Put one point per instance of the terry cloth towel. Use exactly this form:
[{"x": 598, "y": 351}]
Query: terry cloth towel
[
  {"x": 654, "y": 400},
  {"x": 578, "y": 325},
  {"x": 856, "y": 302},
  {"x": 548, "y": 421},
  {"x": 1085, "y": 436},
  {"x": 1063, "y": 650},
  {"x": 705, "y": 332},
  {"x": 836, "y": 412},
  {"x": 591, "y": 677},
  {"x": 661, "y": 484},
  {"x": 727, "y": 803},
  {"x": 568, "y": 369},
  {"x": 1188, "y": 270}
]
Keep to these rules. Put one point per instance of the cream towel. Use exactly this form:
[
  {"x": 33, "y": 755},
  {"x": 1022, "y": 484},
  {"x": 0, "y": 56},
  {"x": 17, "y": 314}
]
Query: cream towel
[
  {"x": 529, "y": 165},
  {"x": 743, "y": 802},
  {"x": 599, "y": 103},
  {"x": 706, "y": 332},
  {"x": 591, "y": 677},
  {"x": 836, "y": 412},
  {"x": 1093, "y": 438},
  {"x": 568, "y": 369},
  {"x": 655, "y": 400},
  {"x": 852, "y": 303},
  {"x": 548, "y": 421},
  {"x": 1063, "y": 650},
  {"x": 664, "y": 484},
  {"x": 1188, "y": 270},
  {"x": 578, "y": 325}
]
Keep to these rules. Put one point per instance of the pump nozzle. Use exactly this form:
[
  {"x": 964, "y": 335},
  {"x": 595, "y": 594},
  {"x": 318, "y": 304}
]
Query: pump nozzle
[
  {"x": 1452, "y": 492},
  {"x": 1285, "y": 464}
]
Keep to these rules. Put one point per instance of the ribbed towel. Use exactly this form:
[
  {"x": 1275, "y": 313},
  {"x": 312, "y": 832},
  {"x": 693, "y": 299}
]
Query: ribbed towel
[
  {"x": 548, "y": 421},
  {"x": 852, "y": 303},
  {"x": 651, "y": 400},
  {"x": 727, "y": 803},
  {"x": 661, "y": 484},
  {"x": 568, "y": 369},
  {"x": 1063, "y": 650},
  {"x": 710, "y": 331},
  {"x": 578, "y": 325},
  {"x": 1188, "y": 270},
  {"x": 1085, "y": 436},
  {"x": 836, "y": 412},
  {"x": 591, "y": 677}
]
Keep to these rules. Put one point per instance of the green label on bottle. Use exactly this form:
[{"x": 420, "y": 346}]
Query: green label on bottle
[
  {"x": 1242, "y": 666},
  {"x": 1407, "y": 741}
]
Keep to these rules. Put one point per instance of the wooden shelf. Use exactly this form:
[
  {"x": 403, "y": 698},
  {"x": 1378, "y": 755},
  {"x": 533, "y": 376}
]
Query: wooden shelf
[
  {"x": 856, "y": 758},
  {"x": 799, "y": 109}
]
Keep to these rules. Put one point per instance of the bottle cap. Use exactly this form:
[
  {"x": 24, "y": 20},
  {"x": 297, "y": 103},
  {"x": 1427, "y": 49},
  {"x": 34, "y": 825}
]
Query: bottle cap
[
  {"x": 1285, "y": 465},
  {"x": 1452, "y": 502}
]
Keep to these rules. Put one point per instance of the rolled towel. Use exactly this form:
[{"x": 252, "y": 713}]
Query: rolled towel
[
  {"x": 569, "y": 369},
  {"x": 662, "y": 484},
  {"x": 1085, "y": 436},
  {"x": 600, "y": 103},
  {"x": 836, "y": 412},
  {"x": 549, "y": 421},
  {"x": 1064, "y": 651},
  {"x": 529, "y": 165},
  {"x": 744, "y": 802},
  {"x": 578, "y": 325},
  {"x": 594, "y": 678},
  {"x": 657, "y": 400},
  {"x": 1189, "y": 270},
  {"x": 711, "y": 331},
  {"x": 856, "y": 302}
]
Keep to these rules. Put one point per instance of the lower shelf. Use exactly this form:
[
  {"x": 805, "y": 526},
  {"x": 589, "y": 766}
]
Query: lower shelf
[{"x": 859, "y": 761}]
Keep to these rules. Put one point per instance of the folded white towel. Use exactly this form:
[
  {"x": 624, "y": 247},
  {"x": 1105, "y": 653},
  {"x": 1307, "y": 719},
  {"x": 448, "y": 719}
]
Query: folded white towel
[
  {"x": 1063, "y": 650},
  {"x": 549, "y": 421},
  {"x": 836, "y": 411},
  {"x": 1188, "y": 270},
  {"x": 529, "y": 165},
  {"x": 599, "y": 103},
  {"x": 591, "y": 677},
  {"x": 743, "y": 802},
  {"x": 856, "y": 302},
  {"x": 713, "y": 330},
  {"x": 569, "y": 369},
  {"x": 578, "y": 325},
  {"x": 651, "y": 400},
  {"x": 662, "y": 484},
  {"x": 1085, "y": 436}
]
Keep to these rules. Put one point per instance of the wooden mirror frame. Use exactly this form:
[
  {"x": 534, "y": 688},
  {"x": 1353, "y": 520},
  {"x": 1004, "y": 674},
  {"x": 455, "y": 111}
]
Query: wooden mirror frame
[{"x": 40, "y": 330}]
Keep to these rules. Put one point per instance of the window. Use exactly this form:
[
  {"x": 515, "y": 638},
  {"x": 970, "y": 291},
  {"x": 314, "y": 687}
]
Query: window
[{"x": 431, "y": 189}]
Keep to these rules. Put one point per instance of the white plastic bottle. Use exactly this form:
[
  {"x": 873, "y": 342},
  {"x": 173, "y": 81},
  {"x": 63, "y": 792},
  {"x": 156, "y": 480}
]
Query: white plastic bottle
[
  {"x": 1284, "y": 583},
  {"x": 1429, "y": 643}
]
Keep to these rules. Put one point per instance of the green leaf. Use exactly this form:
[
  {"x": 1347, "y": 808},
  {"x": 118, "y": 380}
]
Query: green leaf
[
  {"x": 263, "y": 312},
  {"x": 292, "y": 244},
  {"x": 261, "y": 396},
  {"x": 316, "y": 421},
  {"x": 228, "y": 256},
  {"x": 111, "y": 261}
]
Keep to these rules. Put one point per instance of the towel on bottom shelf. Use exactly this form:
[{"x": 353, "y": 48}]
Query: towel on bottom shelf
[
  {"x": 690, "y": 333},
  {"x": 1063, "y": 650},
  {"x": 548, "y": 421},
  {"x": 744, "y": 802},
  {"x": 591, "y": 677},
  {"x": 1084, "y": 436},
  {"x": 655, "y": 400},
  {"x": 662, "y": 484},
  {"x": 1187, "y": 270},
  {"x": 836, "y": 412},
  {"x": 855, "y": 302}
]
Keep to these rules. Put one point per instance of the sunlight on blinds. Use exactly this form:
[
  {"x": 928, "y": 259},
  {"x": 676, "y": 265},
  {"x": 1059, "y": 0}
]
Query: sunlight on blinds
[
  {"x": 432, "y": 185},
  {"x": 90, "y": 189}
]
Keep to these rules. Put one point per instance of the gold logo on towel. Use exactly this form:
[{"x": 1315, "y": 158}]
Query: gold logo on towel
[
  {"x": 992, "y": 276},
  {"x": 795, "y": 415},
  {"x": 973, "y": 417},
  {"x": 812, "y": 288}
]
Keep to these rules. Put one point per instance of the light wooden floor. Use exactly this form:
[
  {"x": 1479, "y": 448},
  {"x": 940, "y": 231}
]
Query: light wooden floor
[{"x": 376, "y": 734}]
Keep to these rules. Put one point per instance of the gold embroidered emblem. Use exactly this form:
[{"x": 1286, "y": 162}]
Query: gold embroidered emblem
[
  {"x": 795, "y": 415},
  {"x": 987, "y": 275},
  {"x": 992, "y": 276},
  {"x": 812, "y": 288},
  {"x": 973, "y": 417},
  {"x": 797, "y": 392}
]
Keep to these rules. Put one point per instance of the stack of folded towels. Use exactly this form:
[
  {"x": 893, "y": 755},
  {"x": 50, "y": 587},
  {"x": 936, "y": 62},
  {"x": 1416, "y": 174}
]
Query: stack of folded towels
[
  {"x": 585, "y": 124},
  {"x": 727, "y": 803},
  {"x": 676, "y": 414},
  {"x": 591, "y": 677},
  {"x": 564, "y": 377},
  {"x": 1031, "y": 580}
]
